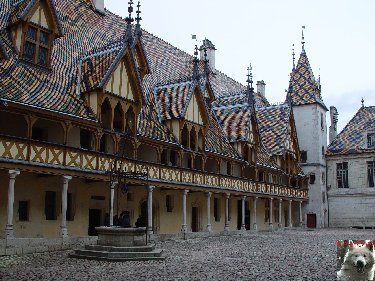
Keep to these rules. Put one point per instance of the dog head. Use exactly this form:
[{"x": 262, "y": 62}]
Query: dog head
[{"x": 361, "y": 256}]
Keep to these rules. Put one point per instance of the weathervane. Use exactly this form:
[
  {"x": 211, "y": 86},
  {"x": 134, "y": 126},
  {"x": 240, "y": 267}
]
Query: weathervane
[
  {"x": 249, "y": 78},
  {"x": 363, "y": 103}
]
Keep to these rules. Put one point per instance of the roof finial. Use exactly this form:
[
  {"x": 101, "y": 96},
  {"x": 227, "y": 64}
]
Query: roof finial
[
  {"x": 250, "y": 89},
  {"x": 363, "y": 103},
  {"x": 294, "y": 58},
  {"x": 196, "y": 61},
  {"x": 206, "y": 62},
  {"x": 129, "y": 20},
  {"x": 303, "y": 39},
  {"x": 138, "y": 30}
]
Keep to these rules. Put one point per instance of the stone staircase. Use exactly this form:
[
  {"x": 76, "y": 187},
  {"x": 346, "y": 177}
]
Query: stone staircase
[{"x": 118, "y": 254}]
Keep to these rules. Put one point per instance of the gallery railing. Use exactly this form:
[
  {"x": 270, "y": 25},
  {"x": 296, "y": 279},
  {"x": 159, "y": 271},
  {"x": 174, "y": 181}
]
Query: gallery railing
[{"x": 58, "y": 156}]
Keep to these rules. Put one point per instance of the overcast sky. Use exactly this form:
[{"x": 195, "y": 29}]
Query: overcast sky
[{"x": 339, "y": 35}]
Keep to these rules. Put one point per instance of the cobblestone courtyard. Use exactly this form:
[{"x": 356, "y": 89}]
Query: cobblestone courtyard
[{"x": 288, "y": 255}]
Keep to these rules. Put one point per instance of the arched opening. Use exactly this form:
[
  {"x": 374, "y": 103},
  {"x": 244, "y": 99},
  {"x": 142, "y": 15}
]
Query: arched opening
[
  {"x": 193, "y": 139},
  {"x": 16, "y": 128},
  {"x": 211, "y": 165},
  {"x": 105, "y": 114},
  {"x": 169, "y": 157},
  {"x": 187, "y": 161},
  {"x": 147, "y": 153},
  {"x": 245, "y": 153},
  {"x": 107, "y": 144},
  {"x": 198, "y": 163},
  {"x": 200, "y": 141},
  {"x": 130, "y": 127},
  {"x": 81, "y": 138},
  {"x": 126, "y": 148},
  {"x": 49, "y": 131},
  {"x": 118, "y": 119},
  {"x": 185, "y": 136},
  {"x": 142, "y": 220}
]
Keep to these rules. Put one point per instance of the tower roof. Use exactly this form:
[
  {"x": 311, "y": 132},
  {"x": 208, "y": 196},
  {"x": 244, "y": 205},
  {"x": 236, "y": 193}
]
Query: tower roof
[{"x": 303, "y": 87}]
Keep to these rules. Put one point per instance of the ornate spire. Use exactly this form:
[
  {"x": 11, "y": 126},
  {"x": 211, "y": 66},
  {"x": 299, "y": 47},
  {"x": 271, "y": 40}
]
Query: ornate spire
[
  {"x": 294, "y": 59},
  {"x": 303, "y": 39},
  {"x": 363, "y": 103},
  {"x": 250, "y": 89},
  {"x": 129, "y": 20},
  {"x": 206, "y": 62},
  {"x": 196, "y": 62},
  {"x": 138, "y": 31}
]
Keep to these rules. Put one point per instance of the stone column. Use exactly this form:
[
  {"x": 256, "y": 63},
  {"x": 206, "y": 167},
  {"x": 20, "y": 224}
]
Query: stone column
[
  {"x": 208, "y": 195},
  {"x": 184, "y": 225},
  {"x": 255, "y": 227},
  {"x": 111, "y": 200},
  {"x": 290, "y": 214},
  {"x": 64, "y": 204},
  {"x": 149, "y": 209},
  {"x": 300, "y": 214},
  {"x": 280, "y": 211},
  {"x": 243, "y": 213},
  {"x": 271, "y": 214},
  {"x": 12, "y": 180},
  {"x": 226, "y": 227}
]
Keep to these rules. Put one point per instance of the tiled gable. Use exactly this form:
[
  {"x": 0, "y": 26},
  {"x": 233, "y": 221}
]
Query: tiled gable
[{"x": 352, "y": 139}]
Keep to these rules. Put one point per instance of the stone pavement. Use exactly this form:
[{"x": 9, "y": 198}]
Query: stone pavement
[{"x": 287, "y": 255}]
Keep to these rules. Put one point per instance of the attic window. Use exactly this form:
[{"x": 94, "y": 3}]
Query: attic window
[
  {"x": 37, "y": 47},
  {"x": 371, "y": 140}
]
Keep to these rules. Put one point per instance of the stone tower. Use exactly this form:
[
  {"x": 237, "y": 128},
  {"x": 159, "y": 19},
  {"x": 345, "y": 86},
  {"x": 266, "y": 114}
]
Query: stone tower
[{"x": 309, "y": 111}]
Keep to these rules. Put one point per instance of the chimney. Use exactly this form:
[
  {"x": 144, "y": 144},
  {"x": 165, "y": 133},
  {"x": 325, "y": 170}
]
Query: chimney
[
  {"x": 210, "y": 52},
  {"x": 261, "y": 88},
  {"x": 333, "y": 128},
  {"x": 99, "y": 6}
]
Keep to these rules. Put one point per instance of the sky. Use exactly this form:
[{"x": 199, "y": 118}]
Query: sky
[{"x": 339, "y": 35}]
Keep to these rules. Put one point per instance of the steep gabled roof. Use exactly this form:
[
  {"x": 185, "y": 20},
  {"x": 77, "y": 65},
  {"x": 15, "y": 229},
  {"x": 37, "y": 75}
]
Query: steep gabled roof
[
  {"x": 273, "y": 126},
  {"x": 352, "y": 139},
  {"x": 303, "y": 87}
]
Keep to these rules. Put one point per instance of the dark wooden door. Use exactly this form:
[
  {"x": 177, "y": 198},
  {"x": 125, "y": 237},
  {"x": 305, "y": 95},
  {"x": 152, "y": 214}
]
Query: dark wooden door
[
  {"x": 194, "y": 219},
  {"x": 94, "y": 221},
  {"x": 311, "y": 220}
]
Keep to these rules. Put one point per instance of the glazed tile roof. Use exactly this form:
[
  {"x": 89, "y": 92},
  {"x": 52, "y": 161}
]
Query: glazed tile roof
[
  {"x": 303, "y": 85},
  {"x": 172, "y": 100},
  {"x": 273, "y": 124},
  {"x": 352, "y": 139}
]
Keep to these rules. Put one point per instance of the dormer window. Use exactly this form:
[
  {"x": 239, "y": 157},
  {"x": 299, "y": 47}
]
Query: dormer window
[
  {"x": 371, "y": 140},
  {"x": 37, "y": 47}
]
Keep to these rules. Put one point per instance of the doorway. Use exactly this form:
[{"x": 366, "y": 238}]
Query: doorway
[
  {"x": 286, "y": 218},
  {"x": 94, "y": 221},
  {"x": 194, "y": 219},
  {"x": 239, "y": 215},
  {"x": 311, "y": 220}
]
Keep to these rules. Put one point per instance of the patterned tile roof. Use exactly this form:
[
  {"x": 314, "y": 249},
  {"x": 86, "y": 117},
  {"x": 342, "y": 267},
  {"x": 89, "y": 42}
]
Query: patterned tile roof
[
  {"x": 273, "y": 124},
  {"x": 303, "y": 86},
  {"x": 172, "y": 100},
  {"x": 352, "y": 139}
]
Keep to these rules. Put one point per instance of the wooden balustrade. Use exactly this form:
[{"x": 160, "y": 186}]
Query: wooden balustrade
[{"x": 60, "y": 156}]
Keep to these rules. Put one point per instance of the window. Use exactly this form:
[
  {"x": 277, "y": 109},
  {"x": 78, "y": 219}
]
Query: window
[
  {"x": 321, "y": 121},
  {"x": 312, "y": 178},
  {"x": 303, "y": 156},
  {"x": 129, "y": 196},
  {"x": 69, "y": 208},
  {"x": 370, "y": 172},
  {"x": 37, "y": 45},
  {"x": 23, "y": 211},
  {"x": 217, "y": 209},
  {"x": 50, "y": 205},
  {"x": 85, "y": 139},
  {"x": 342, "y": 175},
  {"x": 323, "y": 152},
  {"x": 324, "y": 197},
  {"x": 371, "y": 140},
  {"x": 267, "y": 210},
  {"x": 323, "y": 178},
  {"x": 260, "y": 176},
  {"x": 169, "y": 203}
]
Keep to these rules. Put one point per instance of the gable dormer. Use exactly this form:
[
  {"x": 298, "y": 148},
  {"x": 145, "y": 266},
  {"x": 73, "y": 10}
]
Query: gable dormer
[
  {"x": 34, "y": 26},
  {"x": 181, "y": 107}
]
